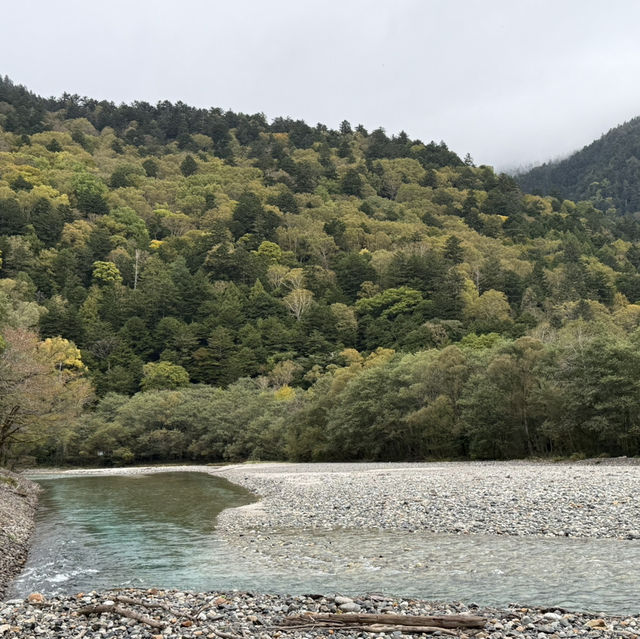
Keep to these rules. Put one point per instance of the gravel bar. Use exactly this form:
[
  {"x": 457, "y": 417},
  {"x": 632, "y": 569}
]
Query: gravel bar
[
  {"x": 593, "y": 500},
  {"x": 232, "y": 615}
]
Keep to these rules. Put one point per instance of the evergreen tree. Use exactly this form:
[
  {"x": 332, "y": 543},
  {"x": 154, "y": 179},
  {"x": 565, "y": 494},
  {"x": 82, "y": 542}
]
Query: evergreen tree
[{"x": 188, "y": 166}]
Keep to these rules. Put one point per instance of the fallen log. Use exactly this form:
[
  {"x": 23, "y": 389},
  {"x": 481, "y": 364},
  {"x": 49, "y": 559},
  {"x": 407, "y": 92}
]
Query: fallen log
[
  {"x": 226, "y": 635},
  {"x": 123, "y": 612},
  {"x": 380, "y": 627},
  {"x": 377, "y": 627},
  {"x": 365, "y": 619}
]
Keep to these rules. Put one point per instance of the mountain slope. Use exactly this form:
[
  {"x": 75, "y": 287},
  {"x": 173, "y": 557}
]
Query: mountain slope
[
  {"x": 235, "y": 288},
  {"x": 606, "y": 172}
]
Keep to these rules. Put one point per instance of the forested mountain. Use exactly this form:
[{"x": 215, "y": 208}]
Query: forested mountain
[
  {"x": 607, "y": 172},
  {"x": 191, "y": 283}
]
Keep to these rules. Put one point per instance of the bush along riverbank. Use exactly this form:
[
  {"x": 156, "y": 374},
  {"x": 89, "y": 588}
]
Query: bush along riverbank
[
  {"x": 157, "y": 614},
  {"x": 18, "y": 503}
]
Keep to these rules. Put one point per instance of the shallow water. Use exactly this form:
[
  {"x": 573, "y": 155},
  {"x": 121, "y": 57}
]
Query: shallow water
[
  {"x": 159, "y": 530},
  {"x": 134, "y": 530},
  {"x": 600, "y": 575}
]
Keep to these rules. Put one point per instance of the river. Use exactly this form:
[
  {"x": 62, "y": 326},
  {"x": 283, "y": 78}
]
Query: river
[{"x": 96, "y": 532}]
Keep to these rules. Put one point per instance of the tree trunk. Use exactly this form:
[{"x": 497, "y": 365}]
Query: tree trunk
[{"x": 440, "y": 621}]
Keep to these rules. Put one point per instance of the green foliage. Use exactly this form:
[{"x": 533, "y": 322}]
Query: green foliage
[
  {"x": 177, "y": 245},
  {"x": 47, "y": 221},
  {"x": 123, "y": 176},
  {"x": 13, "y": 220},
  {"x": 352, "y": 270},
  {"x": 201, "y": 423},
  {"x": 106, "y": 273},
  {"x": 188, "y": 166},
  {"x": 21, "y": 184},
  {"x": 54, "y": 146},
  {"x": 90, "y": 193},
  {"x": 250, "y": 218},
  {"x": 163, "y": 375},
  {"x": 285, "y": 201},
  {"x": 150, "y": 167},
  {"x": 607, "y": 172},
  {"x": 351, "y": 183},
  {"x": 130, "y": 225},
  {"x": 390, "y": 303},
  {"x": 43, "y": 391}
]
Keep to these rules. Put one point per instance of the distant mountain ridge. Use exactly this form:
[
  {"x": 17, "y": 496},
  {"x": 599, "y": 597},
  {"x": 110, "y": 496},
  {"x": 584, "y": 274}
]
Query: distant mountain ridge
[{"x": 607, "y": 172}]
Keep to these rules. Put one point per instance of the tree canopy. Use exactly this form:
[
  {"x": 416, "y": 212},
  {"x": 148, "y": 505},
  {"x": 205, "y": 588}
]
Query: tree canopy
[{"x": 234, "y": 287}]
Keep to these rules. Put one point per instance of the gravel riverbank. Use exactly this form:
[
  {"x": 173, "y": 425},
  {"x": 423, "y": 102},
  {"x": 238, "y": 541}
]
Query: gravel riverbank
[
  {"x": 234, "y": 615},
  {"x": 18, "y": 502},
  {"x": 487, "y": 498}
]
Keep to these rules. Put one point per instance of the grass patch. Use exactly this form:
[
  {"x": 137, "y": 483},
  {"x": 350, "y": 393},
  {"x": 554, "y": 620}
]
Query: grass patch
[{"x": 9, "y": 481}]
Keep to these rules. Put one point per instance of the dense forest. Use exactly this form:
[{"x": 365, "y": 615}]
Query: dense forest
[
  {"x": 182, "y": 283},
  {"x": 606, "y": 172}
]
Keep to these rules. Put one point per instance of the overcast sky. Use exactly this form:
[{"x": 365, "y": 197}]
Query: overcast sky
[{"x": 512, "y": 82}]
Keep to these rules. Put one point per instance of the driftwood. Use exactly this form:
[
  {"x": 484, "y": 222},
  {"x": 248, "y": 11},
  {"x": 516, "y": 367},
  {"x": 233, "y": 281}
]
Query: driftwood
[
  {"x": 377, "y": 627},
  {"x": 144, "y": 604},
  {"x": 123, "y": 612},
  {"x": 553, "y": 609},
  {"x": 226, "y": 635},
  {"x": 353, "y": 619}
]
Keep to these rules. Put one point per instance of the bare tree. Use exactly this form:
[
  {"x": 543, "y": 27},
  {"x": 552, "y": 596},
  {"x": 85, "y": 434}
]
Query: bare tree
[{"x": 298, "y": 301}]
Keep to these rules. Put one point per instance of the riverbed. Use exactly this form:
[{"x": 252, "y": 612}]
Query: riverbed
[{"x": 553, "y": 535}]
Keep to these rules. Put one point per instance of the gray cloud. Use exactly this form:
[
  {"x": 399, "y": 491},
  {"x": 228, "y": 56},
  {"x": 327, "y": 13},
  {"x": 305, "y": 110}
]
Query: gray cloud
[{"x": 510, "y": 82}]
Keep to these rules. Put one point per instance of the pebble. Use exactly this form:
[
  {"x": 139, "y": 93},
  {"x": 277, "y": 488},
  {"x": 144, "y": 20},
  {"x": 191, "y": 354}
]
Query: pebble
[
  {"x": 35, "y": 597},
  {"x": 580, "y": 499},
  {"x": 259, "y": 615},
  {"x": 596, "y": 623}
]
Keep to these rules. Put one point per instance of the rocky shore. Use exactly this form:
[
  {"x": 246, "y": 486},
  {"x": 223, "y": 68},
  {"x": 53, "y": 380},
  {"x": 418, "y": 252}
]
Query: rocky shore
[
  {"x": 18, "y": 502},
  {"x": 232, "y": 615}
]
